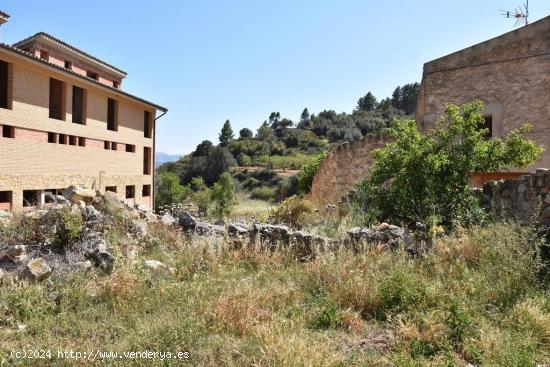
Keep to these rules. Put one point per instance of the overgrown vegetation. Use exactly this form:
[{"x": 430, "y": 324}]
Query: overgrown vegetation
[
  {"x": 478, "y": 297},
  {"x": 424, "y": 176}
]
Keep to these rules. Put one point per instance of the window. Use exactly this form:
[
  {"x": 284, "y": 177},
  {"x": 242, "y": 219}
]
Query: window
[
  {"x": 116, "y": 84},
  {"x": 146, "y": 191},
  {"x": 92, "y": 75},
  {"x": 52, "y": 137},
  {"x": 68, "y": 65},
  {"x": 112, "y": 114},
  {"x": 30, "y": 197},
  {"x": 57, "y": 105},
  {"x": 5, "y": 200},
  {"x": 4, "y": 83},
  {"x": 130, "y": 192},
  {"x": 147, "y": 131},
  {"x": 487, "y": 124},
  {"x": 146, "y": 160},
  {"x": 110, "y": 188},
  {"x": 72, "y": 140},
  {"x": 107, "y": 145},
  {"x": 7, "y": 131},
  {"x": 44, "y": 55},
  {"x": 81, "y": 142},
  {"x": 130, "y": 148},
  {"x": 62, "y": 139},
  {"x": 78, "y": 105},
  {"x": 114, "y": 146}
]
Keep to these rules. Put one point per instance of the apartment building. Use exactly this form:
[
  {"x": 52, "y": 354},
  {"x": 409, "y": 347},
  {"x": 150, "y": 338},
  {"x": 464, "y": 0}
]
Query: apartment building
[{"x": 64, "y": 120}]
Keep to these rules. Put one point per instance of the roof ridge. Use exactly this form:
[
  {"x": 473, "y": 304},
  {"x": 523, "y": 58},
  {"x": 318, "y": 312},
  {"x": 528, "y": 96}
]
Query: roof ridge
[{"x": 73, "y": 48}]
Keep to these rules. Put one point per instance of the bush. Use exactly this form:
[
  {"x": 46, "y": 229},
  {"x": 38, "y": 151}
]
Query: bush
[
  {"x": 294, "y": 212},
  {"x": 223, "y": 195},
  {"x": 169, "y": 190},
  {"x": 286, "y": 188},
  {"x": 201, "y": 194},
  {"x": 424, "y": 177},
  {"x": 305, "y": 177},
  {"x": 263, "y": 193}
]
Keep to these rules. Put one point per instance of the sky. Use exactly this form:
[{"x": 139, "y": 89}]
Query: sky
[{"x": 208, "y": 61}]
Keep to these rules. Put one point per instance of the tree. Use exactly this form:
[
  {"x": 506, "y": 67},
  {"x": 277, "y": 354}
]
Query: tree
[
  {"x": 264, "y": 132},
  {"x": 203, "y": 149},
  {"x": 367, "y": 102},
  {"x": 396, "y": 97},
  {"x": 226, "y": 134},
  {"x": 305, "y": 120},
  {"x": 223, "y": 195},
  {"x": 245, "y": 133},
  {"x": 424, "y": 176},
  {"x": 169, "y": 190},
  {"x": 209, "y": 167}
]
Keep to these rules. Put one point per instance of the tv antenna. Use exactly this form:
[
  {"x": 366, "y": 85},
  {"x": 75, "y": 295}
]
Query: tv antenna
[{"x": 520, "y": 14}]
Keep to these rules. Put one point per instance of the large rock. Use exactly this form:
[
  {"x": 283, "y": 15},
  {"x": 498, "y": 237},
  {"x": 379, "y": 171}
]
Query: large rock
[
  {"x": 307, "y": 245},
  {"x": 103, "y": 260},
  {"x": 78, "y": 194},
  {"x": 187, "y": 221},
  {"x": 385, "y": 234},
  {"x": 168, "y": 219},
  {"x": 207, "y": 229},
  {"x": 37, "y": 269},
  {"x": 271, "y": 235}
]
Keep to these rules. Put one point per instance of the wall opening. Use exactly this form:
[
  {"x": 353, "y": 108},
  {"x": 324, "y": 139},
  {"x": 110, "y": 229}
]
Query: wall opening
[
  {"x": 62, "y": 139},
  {"x": 487, "y": 123},
  {"x": 4, "y": 85},
  {"x": 44, "y": 55},
  {"x": 114, "y": 146},
  {"x": 146, "y": 160},
  {"x": 107, "y": 145},
  {"x": 79, "y": 116},
  {"x": 8, "y": 131},
  {"x": 112, "y": 114},
  {"x": 81, "y": 142},
  {"x": 68, "y": 65},
  {"x": 5, "y": 200},
  {"x": 130, "y": 148},
  {"x": 57, "y": 99},
  {"x": 130, "y": 192},
  {"x": 110, "y": 188},
  {"x": 146, "y": 191},
  {"x": 72, "y": 140},
  {"x": 147, "y": 125},
  {"x": 92, "y": 75},
  {"x": 31, "y": 197},
  {"x": 52, "y": 137}
]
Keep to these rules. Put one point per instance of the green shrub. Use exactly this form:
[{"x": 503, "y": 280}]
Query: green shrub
[
  {"x": 329, "y": 316},
  {"x": 223, "y": 195},
  {"x": 69, "y": 227},
  {"x": 169, "y": 190},
  {"x": 294, "y": 212},
  {"x": 263, "y": 193},
  {"x": 425, "y": 175},
  {"x": 305, "y": 177}
]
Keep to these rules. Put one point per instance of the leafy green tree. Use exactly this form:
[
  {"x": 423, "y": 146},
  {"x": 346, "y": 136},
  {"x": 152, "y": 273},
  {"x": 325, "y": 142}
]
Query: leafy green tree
[
  {"x": 424, "y": 177},
  {"x": 223, "y": 195},
  {"x": 397, "y": 97},
  {"x": 264, "y": 132},
  {"x": 201, "y": 194},
  {"x": 305, "y": 120},
  {"x": 169, "y": 190},
  {"x": 209, "y": 167},
  {"x": 367, "y": 102},
  {"x": 226, "y": 134},
  {"x": 245, "y": 133},
  {"x": 305, "y": 177},
  {"x": 203, "y": 149}
]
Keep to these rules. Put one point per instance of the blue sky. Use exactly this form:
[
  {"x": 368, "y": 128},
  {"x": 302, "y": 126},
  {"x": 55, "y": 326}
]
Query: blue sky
[{"x": 208, "y": 61}]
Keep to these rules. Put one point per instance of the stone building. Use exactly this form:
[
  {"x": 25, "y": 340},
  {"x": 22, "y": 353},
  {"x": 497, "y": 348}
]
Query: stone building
[
  {"x": 509, "y": 73},
  {"x": 64, "y": 120}
]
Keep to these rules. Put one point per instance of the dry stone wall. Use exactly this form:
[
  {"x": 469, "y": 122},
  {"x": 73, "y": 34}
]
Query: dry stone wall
[
  {"x": 340, "y": 170},
  {"x": 522, "y": 198}
]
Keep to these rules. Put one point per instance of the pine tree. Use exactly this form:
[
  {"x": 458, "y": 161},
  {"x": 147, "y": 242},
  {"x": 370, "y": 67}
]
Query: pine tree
[
  {"x": 305, "y": 120},
  {"x": 367, "y": 102},
  {"x": 226, "y": 134},
  {"x": 397, "y": 98}
]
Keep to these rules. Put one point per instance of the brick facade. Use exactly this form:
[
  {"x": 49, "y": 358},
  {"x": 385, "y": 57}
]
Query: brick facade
[{"x": 28, "y": 161}]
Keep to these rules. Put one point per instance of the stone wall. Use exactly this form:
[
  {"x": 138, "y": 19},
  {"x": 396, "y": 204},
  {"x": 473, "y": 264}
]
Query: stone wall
[
  {"x": 521, "y": 198},
  {"x": 341, "y": 170}
]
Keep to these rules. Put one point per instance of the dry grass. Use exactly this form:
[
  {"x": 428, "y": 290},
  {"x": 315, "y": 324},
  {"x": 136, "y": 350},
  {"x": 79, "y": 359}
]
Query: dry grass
[{"x": 476, "y": 298}]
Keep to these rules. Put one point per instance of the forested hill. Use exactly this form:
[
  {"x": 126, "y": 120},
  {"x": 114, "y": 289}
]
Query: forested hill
[{"x": 280, "y": 142}]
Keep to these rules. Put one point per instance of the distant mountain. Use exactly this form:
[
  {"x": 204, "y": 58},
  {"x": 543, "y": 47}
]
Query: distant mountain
[{"x": 161, "y": 158}]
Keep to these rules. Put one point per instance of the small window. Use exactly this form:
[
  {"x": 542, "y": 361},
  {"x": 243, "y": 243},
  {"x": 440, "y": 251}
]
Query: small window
[
  {"x": 52, "y": 137},
  {"x": 44, "y": 55},
  {"x": 147, "y": 131},
  {"x": 107, "y": 145},
  {"x": 130, "y": 148},
  {"x": 116, "y": 84},
  {"x": 62, "y": 139},
  {"x": 130, "y": 192},
  {"x": 5, "y": 200},
  {"x": 81, "y": 142},
  {"x": 72, "y": 140},
  {"x": 488, "y": 125},
  {"x": 92, "y": 75},
  {"x": 114, "y": 146},
  {"x": 112, "y": 114},
  {"x": 8, "y": 131},
  {"x": 68, "y": 65},
  {"x": 110, "y": 188},
  {"x": 146, "y": 191}
]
